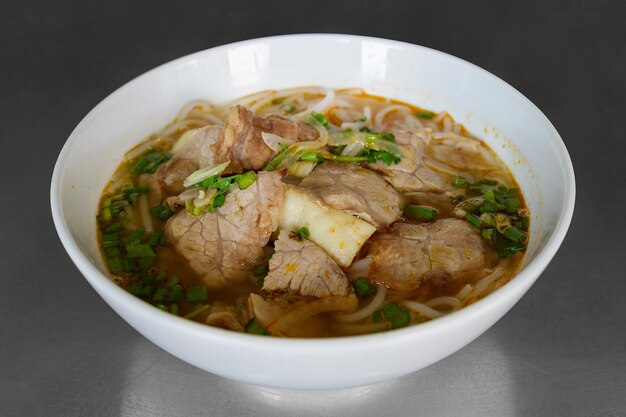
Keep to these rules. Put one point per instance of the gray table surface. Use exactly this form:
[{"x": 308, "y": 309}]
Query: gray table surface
[{"x": 64, "y": 352}]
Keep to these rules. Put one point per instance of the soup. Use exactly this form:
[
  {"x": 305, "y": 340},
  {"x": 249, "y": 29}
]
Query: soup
[{"x": 311, "y": 212}]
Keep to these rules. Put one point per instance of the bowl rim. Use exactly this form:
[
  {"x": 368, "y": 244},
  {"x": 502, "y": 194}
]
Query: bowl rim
[{"x": 525, "y": 278}]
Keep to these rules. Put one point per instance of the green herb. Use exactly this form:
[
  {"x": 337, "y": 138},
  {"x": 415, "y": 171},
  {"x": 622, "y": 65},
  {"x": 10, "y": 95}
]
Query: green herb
[
  {"x": 278, "y": 100},
  {"x": 388, "y": 136},
  {"x": 245, "y": 180},
  {"x": 260, "y": 282},
  {"x": 311, "y": 156},
  {"x": 515, "y": 234},
  {"x": 425, "y": 114},
  {"x": 339, "y": 149},
  {"x": 373, "y": 155},
  {"x": 254, "y": 327},
  {"x": 489, "y": 235},
  {"x": 420, "y": 212},
  {"x": 377, "y": 315},
  {"x": 473, "y": 220},
  {"x": 197, "y": 293},
  {"x": 149, "y": 161},
  {"x": 197, "y": 311},
  {"x": 176, "y": 294},
  {"x": 320, "y": 118},
  {"x": 259, "y": 270},
  {"x": 161, "y": 212},
  {"x": 459, "y": 182},
  {"x": 397, "y": 316},
  {"x": 304, "y": 233},
  {"x": 135, "y": 249},
  {"x": 506, "y": 247},
  {"x": 362, "y": 288}
]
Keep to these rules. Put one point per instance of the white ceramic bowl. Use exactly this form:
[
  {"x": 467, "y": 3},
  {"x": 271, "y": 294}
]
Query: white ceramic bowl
[{"x": 491, "y": 109}]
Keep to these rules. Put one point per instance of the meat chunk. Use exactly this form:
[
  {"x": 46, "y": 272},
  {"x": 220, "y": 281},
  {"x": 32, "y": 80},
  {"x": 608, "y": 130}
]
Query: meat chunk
[
  {"x": 243, "y": 141},
  {"x": 195, "y": 149},
  {"x": 411, "y": 174},
  {"x": 410, "y": 255},
  {"x": 355, "y": 190},
  {"x": 222, "y": 247},
  {"x": 300, "y": 267},
  {"x": 463, "y": 153}
]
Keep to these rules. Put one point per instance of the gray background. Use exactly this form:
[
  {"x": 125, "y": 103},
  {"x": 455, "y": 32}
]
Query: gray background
[{"x": 63, "y": 352}]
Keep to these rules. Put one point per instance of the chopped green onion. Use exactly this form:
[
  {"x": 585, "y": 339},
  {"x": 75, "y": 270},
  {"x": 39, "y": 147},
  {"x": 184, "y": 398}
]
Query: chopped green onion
[
  {"x": 134, "y": 288},
  {"x": 515, "y": 234},
  {"x": 420, "y": 212},
  {"x": 160, "y": 294},
  {"x": 259, "y": 270},
  {"x": 506, "y": 247},
  {"x": 397, "y": 316},
  {"x": 278, "y": 100},
  {"x": 149, "y": 162},
  {"x": 147, "y": 291},
  {"x": 197, "y": 311},
  {"x": 197, "y": 293},
  {"x": 362, "y": 288},
  {"x": 246, "y": 180},
  {"x": 260, "y": 282},
  {"x": 320, "y": 118},
  {"x": 115, "y": 264},
  {"x": 350, "y": 158},
  {"x": 388, "y": 136},
  {"x": 172, "y": 282},
  {"x": 377, "y": 315},
  {"x": 311, "y": 156},
  {"x": 161, "y": 212},
  {"x": 459, "y": 182},
  {"x": 304, "y": 233},
  {"x": 218, "y": 201},
  {"x": 114, "y": 227},
  {"x": 513, "y": 204},
  {"x": 489, "y": 235},
  {"x": 425, "y": 114},
  {"x": 473, "y": 220},
  {"x": 339, "y": 149},
  {"x": 176, "y": 294},
  {"x": 135, "y": 249},
  {"x": 254, "y": 327},
  {"x": 174, "y": 309}
]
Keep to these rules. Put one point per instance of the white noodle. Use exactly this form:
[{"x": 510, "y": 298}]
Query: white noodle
[
  {"x": 440, "y": 117},
  {"x": 248, "y": 100},
  {"x": 482, "y": 285},
  {"x": 465, "y": 292},
  {"x": 261, "y": 103},
  {"x": 367, "y": 310},
  {"x": 452, "y": 303},
  {"x": 378, "y": 119},
  {"x": 197, "y": 114},
  {"x": 145, "y": 214},
  {"x": 184, "y": 111},
  {"x": 422, "y": 309},
  {"x": 360, "y": 268},
  {"x": 321, "y": 106},
  {"x": 183, "y": 124},
  {"x": 350, "y": 328},
  {"x": 130, "y": 216}
]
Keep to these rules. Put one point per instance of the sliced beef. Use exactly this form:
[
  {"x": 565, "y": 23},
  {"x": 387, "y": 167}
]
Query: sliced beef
[
  {"x": 411, "y": 174},
  {"x": 223, "y": 247},
  {"x": 243, "y": 141},
  {"x": 195, "y": 149},
  {"x": 462, "y": 153},
  {"x": 411, "y": 255},
  {"x": 355, "y": 190},
  {"x": 300, "y": 267}
]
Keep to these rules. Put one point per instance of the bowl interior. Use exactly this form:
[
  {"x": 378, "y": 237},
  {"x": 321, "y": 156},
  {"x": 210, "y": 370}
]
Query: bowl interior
[{"x": 489, "y": 108}]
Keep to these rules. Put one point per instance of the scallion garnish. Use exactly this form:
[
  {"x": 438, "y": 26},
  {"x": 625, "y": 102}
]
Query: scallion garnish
[
  {"x": 304, "y": 233},
  {"x": 459, "y": 182},
  {"x": 473, "y": 220},
  {"x": 149, "y": 161},
  {"x": 425, "y": 114},
  {"x": 254, "y": 327},
  {"x": 246, "y": 180},
  {"x": 362, "y": 288},
  {"x": 396, "y": 315},
  {"x": 197, "y": 293},
  {"x": 320, "y": 118},
  {"x": 259, "y": 270},
  {"x": 161, "y": 212},
  {"x": 197, "y": 311},
  {"x": 515, "y": 234},
  {"x": 420, "y": 212}
]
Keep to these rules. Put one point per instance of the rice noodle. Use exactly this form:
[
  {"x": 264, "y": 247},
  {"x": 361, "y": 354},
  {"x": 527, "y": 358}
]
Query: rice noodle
[
  {"x": 274, "y": 141},
  {"x": 484, "y": 283},
  {"x": 189, "y": 194},
  {"x": 367, "y": 310},
  {"x": 360, "y": 268},
  {"x": 130, "y": 216},
  {"x": 197, "y": 114},
  {"x": 440, "y": 116},
  {"x": 261, "y": 103},
  {"x": 187, "y": 108},
  {"x": 465, "y": 292},
  {"x": 248, "y": 100},
  {"x": 422, "y": 309},
  {"x": 447, "y": 124},
  {"x": 452, "y": 303},
  {"x": 380, "y": 116},
  {"x": 146, "y": 219},
  {"x": 173, "y": 128},
  {"x": 322, "y": 105}
]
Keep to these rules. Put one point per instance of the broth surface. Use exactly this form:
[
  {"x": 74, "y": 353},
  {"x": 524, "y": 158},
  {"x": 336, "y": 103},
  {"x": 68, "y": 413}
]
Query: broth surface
[{"x": 141, "y": 260}]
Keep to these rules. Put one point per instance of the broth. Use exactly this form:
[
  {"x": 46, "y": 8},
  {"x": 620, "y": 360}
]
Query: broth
[{"x": 132, "y": 217}]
